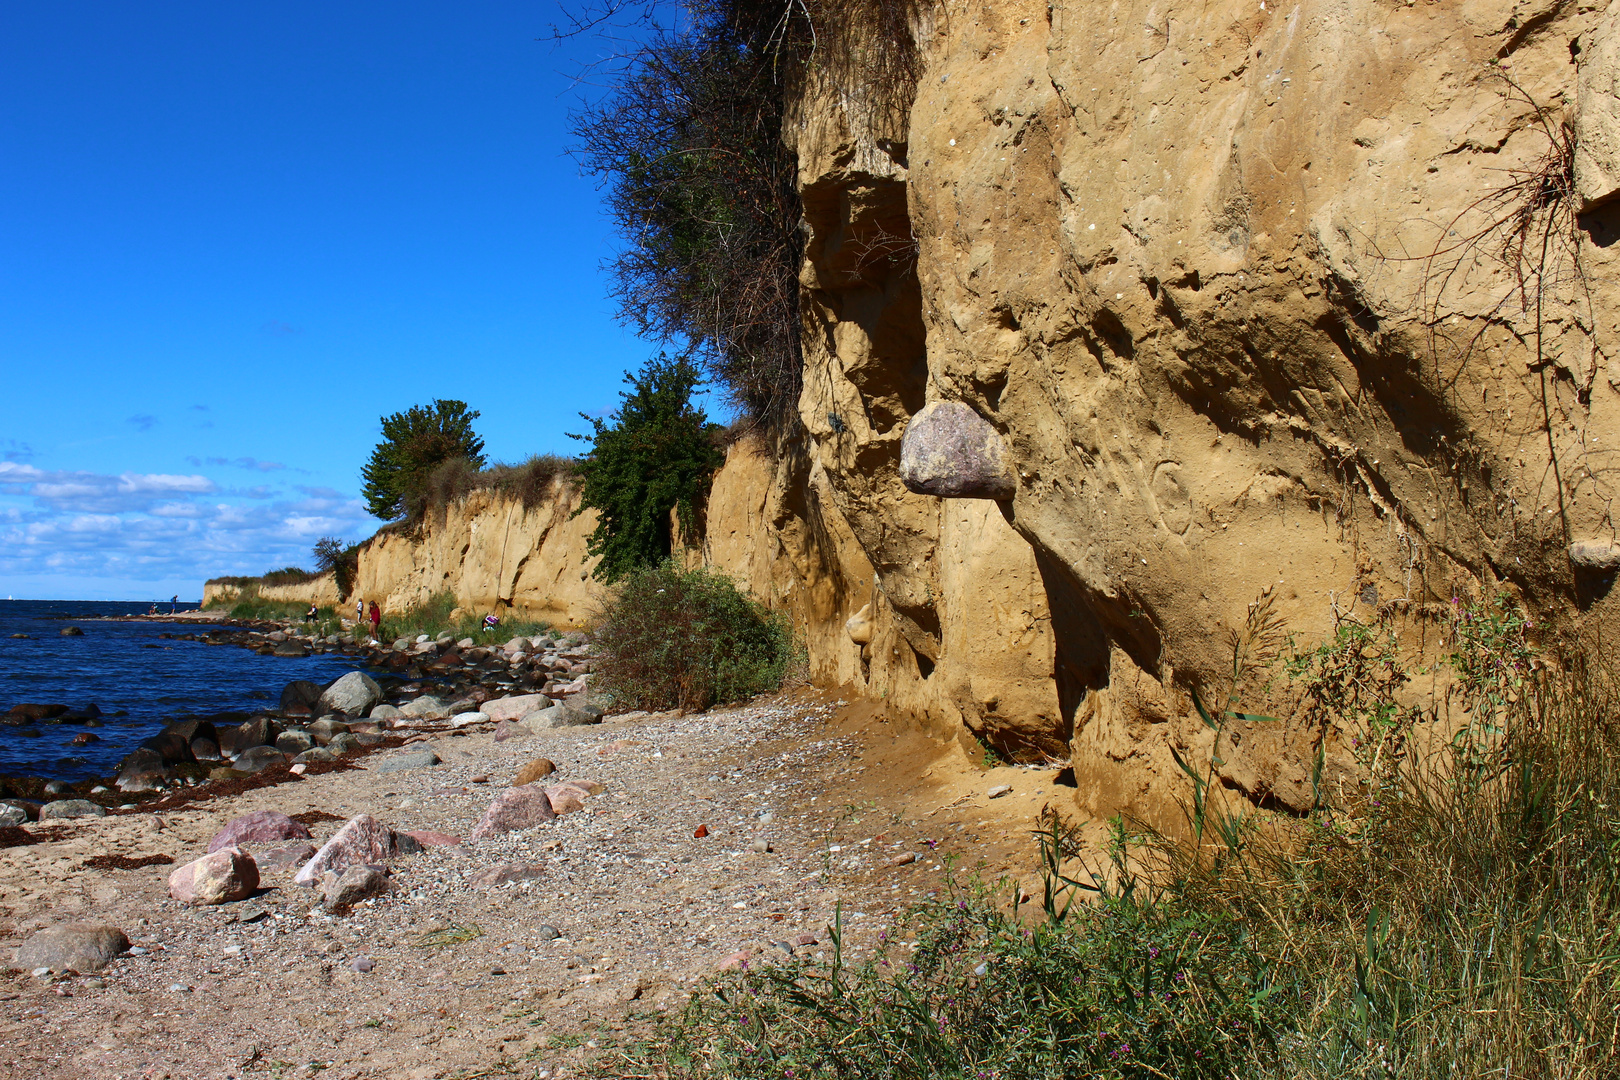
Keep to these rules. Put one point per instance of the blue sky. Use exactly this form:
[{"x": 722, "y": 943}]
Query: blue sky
[{"x": 234, "y": 235}]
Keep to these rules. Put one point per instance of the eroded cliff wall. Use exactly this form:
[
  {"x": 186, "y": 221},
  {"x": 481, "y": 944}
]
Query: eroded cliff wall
[
  {"x": 1299, "y": 301},
  {"x": 1302, "y": 304}
]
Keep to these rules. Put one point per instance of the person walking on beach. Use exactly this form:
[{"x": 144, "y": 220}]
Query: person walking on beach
[
  {"x": 174, "y": 603},
  {"x": 376, "y": 619},
  {"x": 359, "y": 611}
]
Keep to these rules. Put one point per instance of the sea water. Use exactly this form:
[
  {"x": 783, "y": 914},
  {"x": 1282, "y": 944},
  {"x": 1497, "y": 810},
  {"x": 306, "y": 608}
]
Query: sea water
[{"x": 124, "y": 666}]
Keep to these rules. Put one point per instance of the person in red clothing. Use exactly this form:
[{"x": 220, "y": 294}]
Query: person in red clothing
[{"x": 376, "y": 619}]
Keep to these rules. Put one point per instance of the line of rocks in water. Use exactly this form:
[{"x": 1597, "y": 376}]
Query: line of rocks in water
[{"x": 523, "y": 685}]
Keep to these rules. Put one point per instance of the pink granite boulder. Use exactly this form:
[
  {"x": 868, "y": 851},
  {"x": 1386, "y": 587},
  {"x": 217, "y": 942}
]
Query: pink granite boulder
[
  {"x": 362, "y": 841},
  {"x": 515, "y": 808},
  {"x": 259, "y": 827}
]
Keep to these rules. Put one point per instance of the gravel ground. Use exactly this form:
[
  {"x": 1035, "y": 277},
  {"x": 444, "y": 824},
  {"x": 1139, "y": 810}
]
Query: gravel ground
[{"x": 810, "y": 804}]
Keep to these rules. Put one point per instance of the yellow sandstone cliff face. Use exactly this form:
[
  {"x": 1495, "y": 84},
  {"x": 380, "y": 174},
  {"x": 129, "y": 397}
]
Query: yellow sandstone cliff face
[
  {"x": 1286, "y": 301},
  {"x": 493, "y": 555}
]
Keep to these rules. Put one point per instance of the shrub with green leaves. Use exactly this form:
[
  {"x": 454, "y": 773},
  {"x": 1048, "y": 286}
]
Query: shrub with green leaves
[
  {"x": 656, "y": 455},
  {"x": 415, "y": 443},
  {"x": 673, "y": 638}
]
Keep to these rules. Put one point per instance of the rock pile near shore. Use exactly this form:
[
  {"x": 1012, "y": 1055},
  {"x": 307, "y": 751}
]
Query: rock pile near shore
[{"x": 421, "y": 685}]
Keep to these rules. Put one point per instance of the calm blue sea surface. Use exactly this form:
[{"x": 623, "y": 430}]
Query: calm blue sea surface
[{"x": 124, "y": 665}]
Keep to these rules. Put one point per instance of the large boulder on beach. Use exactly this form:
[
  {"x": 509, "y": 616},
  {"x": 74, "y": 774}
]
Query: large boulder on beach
[
  {"x": 426, "y": 707},
  {"x": 257, "y": 758},
  {"x": 353, "y": 695},
  {"x": 257, "y": 731},
  {"x": 326, "y": 729},
  {"x": 172, "y": 748},
  {"x": 217, "y": 878},
  {"x": 362, "y": 841},
  {"x": 63, "y": 809},
  {"x": 143, "y": 770},
  {"x": 299, "y": 697},
  {"x": 259, "y": 827},
  {"x": 75, "y": 946},
  {"x": 513, "y": 708}
]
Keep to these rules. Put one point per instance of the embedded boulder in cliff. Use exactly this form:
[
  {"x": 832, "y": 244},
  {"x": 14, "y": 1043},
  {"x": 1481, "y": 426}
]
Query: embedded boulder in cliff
[{"x": 951, "y": 451}]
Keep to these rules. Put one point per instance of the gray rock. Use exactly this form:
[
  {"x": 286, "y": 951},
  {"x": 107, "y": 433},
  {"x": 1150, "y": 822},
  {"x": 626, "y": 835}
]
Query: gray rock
[
  {"x": 504, "y": 873},
  {"x": 385, "y": 712},
  {"x": 314, "y": 753},
  {"x": 81, "y": 947},
  {"x": 143, "y": 770},
  {"x": 326, "y": 728},
  {"x": 415, "y": 759},
  {"x": 426, "y": 707},
  {"x": 291, "y": 650},
  {"x": 584, "y": 703},
  {"x": 547, "y": 932},
  {"x": 71, "y": 631},
  {"x": 13, "y": 815},
  {"x": 257, "y": 758},
  {"x": 64, "y": 809},
  {"x": 557, "y": 716},
  {"x": 951, "y": 451},
  {"x": 354, "y": 695},
  {"x": 294, "y": 741},
  {"x": 344, "y": 744},
  {"x": 299, "y": 696},
  {"x": 1595, "y": 556},
  {"x": 362, "y": 964},
  {"x": 259, "y": 731},
  {"x": 339, "y": 892}
]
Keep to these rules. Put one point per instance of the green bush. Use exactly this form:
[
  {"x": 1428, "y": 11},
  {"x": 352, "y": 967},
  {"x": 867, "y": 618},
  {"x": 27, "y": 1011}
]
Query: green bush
[
  {"x": 342, "y": 561},
  {"x": 415, "y": 443},
  {"x": 657, "y": 455},
  {"x": 673, "y": 638}
]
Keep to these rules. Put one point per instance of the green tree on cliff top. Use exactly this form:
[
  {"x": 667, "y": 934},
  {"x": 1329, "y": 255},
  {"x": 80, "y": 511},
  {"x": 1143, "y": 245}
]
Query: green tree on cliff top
[
  {"x": 415, "y": 442},
  {"x": 655, "y": 456}
]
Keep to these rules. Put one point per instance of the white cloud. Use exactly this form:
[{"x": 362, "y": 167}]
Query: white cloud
[{"x": 156, "y": 527}]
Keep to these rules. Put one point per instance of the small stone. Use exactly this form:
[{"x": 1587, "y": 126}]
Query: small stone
[
  {"x": 737, "y": 961},
  {"x": 760, "y": 846},
  {"x": 94, "y": 984},
  {"x": 362, "y": 964},
  {"x": 700, "y": 832},
  {"x": 510, "y": 729},
  {"x": 999, "y": 790},
  {"x": 342, "y": 891},
  {"x": 179, "y": 988},
  {"x": 512, "y": 708},
  {"x": 904, "y": 858},
  {"x": 547, "y": 932},
  {"x": 299, "y": 769},
  {"x": 480, "y": 779},
  {"x": 468, "y": 719},
  {"x": 427, "y": 838},
  {"x": 504, "y": 874}
]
